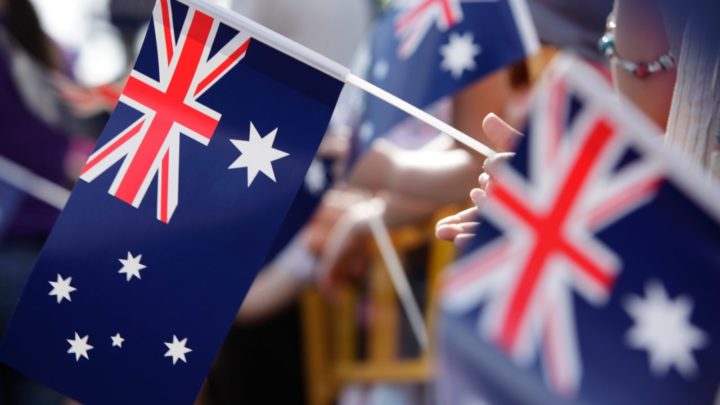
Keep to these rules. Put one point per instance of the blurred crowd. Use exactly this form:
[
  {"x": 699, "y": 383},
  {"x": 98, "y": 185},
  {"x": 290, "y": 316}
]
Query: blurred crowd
[{"x": 62, "y": 69}]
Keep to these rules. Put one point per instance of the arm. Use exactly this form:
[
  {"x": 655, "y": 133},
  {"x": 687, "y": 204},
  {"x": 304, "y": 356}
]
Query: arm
[
  {"x": 641, "y": 36},
  {"x": 442, "y": 176}
]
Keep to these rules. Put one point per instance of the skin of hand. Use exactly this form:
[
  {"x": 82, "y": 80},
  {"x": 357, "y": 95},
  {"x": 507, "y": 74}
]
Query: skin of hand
[
  {"x": 459, "y": 228},
  {"x": 439, "y": 175},
  {"x": 351, "y": 262}
]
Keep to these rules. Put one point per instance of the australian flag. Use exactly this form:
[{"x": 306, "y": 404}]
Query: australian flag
[
  {"x": 425, "y": 50},
  {"x": 594, "y": 272},
  {"x": 175, "y": 213}
]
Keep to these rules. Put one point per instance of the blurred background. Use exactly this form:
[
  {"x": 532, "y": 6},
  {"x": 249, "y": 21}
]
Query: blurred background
[{"x": 329, "y": 327}]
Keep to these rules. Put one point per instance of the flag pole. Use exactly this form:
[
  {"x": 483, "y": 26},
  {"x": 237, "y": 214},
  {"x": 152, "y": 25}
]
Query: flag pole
[
  {"x": 370, "y": 213},
  {"x": 390, "y": 256},
  {"x": 334, "y": 69},
  {"x": 423, "y": 116},
  {"x": 32, "y": 184}
]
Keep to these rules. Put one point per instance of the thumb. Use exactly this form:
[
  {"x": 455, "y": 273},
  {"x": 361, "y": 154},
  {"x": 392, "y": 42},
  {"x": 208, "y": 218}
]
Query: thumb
[{"x": 502, "y": 134}]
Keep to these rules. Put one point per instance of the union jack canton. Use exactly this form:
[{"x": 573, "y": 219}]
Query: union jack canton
[
  {"x": 150, "y": 147},
  {"x": 544, "y": 249}
]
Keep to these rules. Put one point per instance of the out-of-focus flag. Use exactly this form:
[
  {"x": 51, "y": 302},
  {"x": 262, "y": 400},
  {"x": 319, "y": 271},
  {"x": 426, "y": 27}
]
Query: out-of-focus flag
[
  {"x": 593, "y": 279},
  {"x": 176, "y": 211},
  {"x": 424, "y": 50}
]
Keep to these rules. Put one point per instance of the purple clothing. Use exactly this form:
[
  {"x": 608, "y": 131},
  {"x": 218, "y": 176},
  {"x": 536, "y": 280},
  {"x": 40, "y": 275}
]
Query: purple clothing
[{"x": 30, "y": 142}]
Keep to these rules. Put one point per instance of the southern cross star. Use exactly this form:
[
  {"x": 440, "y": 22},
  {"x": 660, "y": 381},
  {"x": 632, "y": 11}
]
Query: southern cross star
[
  {"x": 662, "y": 327},
  {"x": 62, "y": 288},
  {"x": 177, "y": 350},
  {"x": 79, "y": 347},
  {"x": 257, "y": 154},
  {"x": 117, "y": 340},
  {"x": 131, "y": 266}
]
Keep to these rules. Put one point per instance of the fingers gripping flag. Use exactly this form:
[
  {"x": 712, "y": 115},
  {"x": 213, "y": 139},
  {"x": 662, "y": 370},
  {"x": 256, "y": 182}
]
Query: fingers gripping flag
[
  {"x": 134, "y": 290},
  {"x": 591, "y": 277}
]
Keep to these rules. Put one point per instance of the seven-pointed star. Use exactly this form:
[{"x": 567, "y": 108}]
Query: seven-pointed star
[
  {"x": 662, "y": 327},
  {"x": 62, "y": 288},
  {"x": 177, "y": 350},
  {"x": 459, "y": 54},
  {"x": 131, "y": 266},
  {"x": 79, "y": 347},
  {"x": 117, "y": 340},
  {"x": 257, "y": 154}
]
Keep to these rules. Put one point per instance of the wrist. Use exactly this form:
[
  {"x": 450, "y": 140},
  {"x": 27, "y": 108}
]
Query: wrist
[{"x": 625, "y": 43}]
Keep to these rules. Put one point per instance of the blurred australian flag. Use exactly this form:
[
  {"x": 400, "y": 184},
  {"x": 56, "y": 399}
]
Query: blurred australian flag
[
  {"x": 425, "y": 50},
  {"x": 594, "y": 274},
  {"x": 175, "y": 212}
]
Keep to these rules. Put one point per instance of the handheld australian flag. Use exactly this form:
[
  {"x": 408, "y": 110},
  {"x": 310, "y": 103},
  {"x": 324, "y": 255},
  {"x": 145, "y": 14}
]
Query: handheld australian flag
[
  {"x": 425, "y": 50},
  {"x": 594, "y": 272},
  {"x": 175, "y": 212}
]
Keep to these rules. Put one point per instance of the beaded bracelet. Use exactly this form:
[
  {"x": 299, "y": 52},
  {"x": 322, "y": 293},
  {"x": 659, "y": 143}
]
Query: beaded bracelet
[{"x": 640, "y": 70}]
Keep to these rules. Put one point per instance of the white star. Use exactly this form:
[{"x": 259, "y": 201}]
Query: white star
[
  {"x": 79, "y": 347},
  {"x": 177, "y": 350},
  {"x": 381, "y": 69},
  {"x": 662, "y": 327},
  {"x": 316, "y": 179},
  {"x": 117, "y": 340},
  {"x": 131, "y": 266},
  {"x": 459, "y": 54},
  {"x": 257, "y": 154},
  {"x": 62, "y": 288}
]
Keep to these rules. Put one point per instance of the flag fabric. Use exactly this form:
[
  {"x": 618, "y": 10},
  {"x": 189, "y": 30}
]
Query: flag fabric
[
  {"x": 175, "y": 213},
  {"x": 592, "y": 279},
  {"x": 425, "y": 50}
]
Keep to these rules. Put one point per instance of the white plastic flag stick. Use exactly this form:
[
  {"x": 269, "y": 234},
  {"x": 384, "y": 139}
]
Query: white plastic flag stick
[
  {"x": 397, "y": 274},
  {"x": 423, "y": 116},
  {"x": 370, "y": 213},
  {"x": 334, "y": 69},
  {"x": 32, "y": 184}
]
